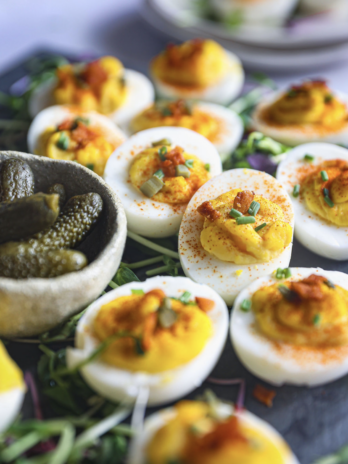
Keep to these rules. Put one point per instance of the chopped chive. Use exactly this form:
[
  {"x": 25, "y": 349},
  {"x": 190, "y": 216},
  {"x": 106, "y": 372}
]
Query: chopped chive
[
  {"x": 287, "y": 293},
  {"x": 296, "y": 190},
  {"x": 166, "y": 112},
  {"x": 161, "y": 142},
  {"x": 308, "y": 158},
  {"x": 316, "y": 319},
  {"x": 245, "y": 220},
  {"x": 137, "y": 291},
  {"x": 329, "y": 284},
  {"x": 189, "y": 163},
  {"x": 287, "y": 273},
  {"x": 182, "y": 170},
  {"x": 185, "y": 297},
  {"x": 261, "y": 226},
  {"x": 235, "y": 213},
  {"x": 162, "y": 152},
  {"x": 159, "y": 174},
  {"x": 254, "y": 208},
  {"x": 329, "y": 201},
  {"x": 324, "y": 176},
  {"x": 246, "y": 305},
  {"x": 90, "y": 166},
  {"x": 63, "y": 142},
  {"x": 291, "y": 93},
  {"x": 328, "y": 98},
  {"x": 207, "y": 167},
  {"x": 152, "y": 186},
  {"x": 279, "y": 274}
]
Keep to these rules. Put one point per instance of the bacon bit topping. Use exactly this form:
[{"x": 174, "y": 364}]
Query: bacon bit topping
[
  {"x": 82, "y": 134},
  {"x": 264, "y": 395},
  {"x": 94, "y": 75},
  {"x": 207, "y": 210},
  {"x": 173, "y": 158},
  {"x": 150, "y": 324},
  {"x": 204, "y": 304},
  {"x": 177, "y": 53},
  {"x": 309, "y": 288},
  {"x": 243, "y": 201},
  {"x": 65, "y": 125}
]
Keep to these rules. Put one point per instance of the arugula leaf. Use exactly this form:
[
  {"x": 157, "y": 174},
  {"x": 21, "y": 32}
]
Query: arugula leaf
[{"x": 124, "y": 275}]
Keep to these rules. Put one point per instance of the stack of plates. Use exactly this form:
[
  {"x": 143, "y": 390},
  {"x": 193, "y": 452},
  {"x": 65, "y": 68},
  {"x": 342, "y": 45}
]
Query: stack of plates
[{"x": 315, "y": 42}]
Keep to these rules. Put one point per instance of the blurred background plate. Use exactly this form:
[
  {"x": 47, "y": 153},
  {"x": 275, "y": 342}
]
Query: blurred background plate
[{"x": 314, "y": 42}]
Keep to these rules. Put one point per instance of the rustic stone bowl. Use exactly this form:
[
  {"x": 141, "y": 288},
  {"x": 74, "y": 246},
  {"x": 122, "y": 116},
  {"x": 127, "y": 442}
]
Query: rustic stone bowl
[{"x": 32, "y": 306}]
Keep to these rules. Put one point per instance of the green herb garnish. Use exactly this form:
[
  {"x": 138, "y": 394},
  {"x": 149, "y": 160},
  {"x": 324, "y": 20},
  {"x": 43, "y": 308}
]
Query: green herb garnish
[
  {"x": 324, "y": 176},
  {"x": 254, "y": 208},
  {"x": 245, "y": 220},
  {"x": 235, "y": 213},
  {"x": 246, "y": 305},
  {"x": 185, "y": 298},
  {"x": 308, "y": 158},
  {"x": 291, "y": 93},
  {"x": 152, "y": 186},
  {"x": 329, "y": 284},
  {"x": 316, "y": 319},
  {"x": 329, "y": 202},
  {"x": 137, "y": 291},
  {"x": 182, "y": 170},
  {"x": 159, "y": 174},
  {"x": 189, "y": 163},
  {"x": 287, "y": 293},
  {"x": 63, "y": 142},
  {"x": 282, "y": 273},
  {"x": 296, "y": 191},
  {"x": 328, "y": 98},
  {"x": 90, "y": 166},
  {"x": 260, "y": 227},
  {"x": 207, "y": 167},
  {"x": 162, "y": 153},
  {"x": 161, "y": 142}
]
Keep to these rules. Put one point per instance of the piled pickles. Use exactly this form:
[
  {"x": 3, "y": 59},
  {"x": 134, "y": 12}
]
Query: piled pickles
[{"x": 38, "y": 231}]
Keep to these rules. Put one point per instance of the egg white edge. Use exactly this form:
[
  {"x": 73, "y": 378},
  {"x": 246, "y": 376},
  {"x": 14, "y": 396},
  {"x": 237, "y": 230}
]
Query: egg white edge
[
  {"x": 157, "y": 420},
  {"x": 229, "y": 284},
  {"x": 292, "y": 136},
  {"x": 141, "y": 95},
  {"x": 56, "y": 114},
  {"x": 164, "y": 387},
  {"x": 10, "y": 405},
  {"x": 145, "y": 216},
  {"x": 323, "y": 238},
  {"x": 231, "y": 84},
  {"x": 257, "y": 352}
]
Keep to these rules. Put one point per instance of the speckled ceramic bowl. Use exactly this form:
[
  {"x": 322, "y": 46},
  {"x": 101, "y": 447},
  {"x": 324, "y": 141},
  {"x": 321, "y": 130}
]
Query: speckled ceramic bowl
[{"x": 32, "y": 306}]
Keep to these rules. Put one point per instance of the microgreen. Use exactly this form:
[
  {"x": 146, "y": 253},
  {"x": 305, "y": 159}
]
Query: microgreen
[{"x": 245, "y": 306}]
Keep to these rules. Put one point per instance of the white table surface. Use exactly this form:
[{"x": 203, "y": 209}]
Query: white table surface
[{"x": 99, "y": 26}]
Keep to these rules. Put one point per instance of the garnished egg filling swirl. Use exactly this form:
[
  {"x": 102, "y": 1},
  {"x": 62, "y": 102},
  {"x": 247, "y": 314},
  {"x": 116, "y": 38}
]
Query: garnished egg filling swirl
[
  {"x": 196, "y": 433},
  {"x": 194, "y": 64},
  {"x": 98, "y": 85},
  {"x": 75, "y": 139},
  {"x": 168, "y": 174},
  {"x": 308, "y": 312},
  {"x": 309, "y": 103},
  {"x": 157, "y": 333},
  {"x": 325, "y": 191},
  {"x": 244, "y": 228}
]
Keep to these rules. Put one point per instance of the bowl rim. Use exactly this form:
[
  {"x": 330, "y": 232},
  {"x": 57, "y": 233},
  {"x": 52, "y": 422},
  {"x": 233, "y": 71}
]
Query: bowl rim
[{"x": 117, "y": 239}]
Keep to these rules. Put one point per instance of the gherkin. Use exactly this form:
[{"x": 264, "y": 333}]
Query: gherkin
[
  {"x": 26, "y": 216},
  {"x": 59, "y": 189},
  {"x": 19, "y": 261},
  {"x": 75, "y": 221},
  {"x": 16, "y": 180}
]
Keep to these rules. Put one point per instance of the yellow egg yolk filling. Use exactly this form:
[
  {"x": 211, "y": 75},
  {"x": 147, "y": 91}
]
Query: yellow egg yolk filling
[
  {"x": 228, "y": 241},
  {"x": 318, "y": 192},
  {"x": 311, "y": 103},
  {"x": 164, "y": 347},
  {"x": 176, "y": 189},
  {"x": 74, "y": 140},
  {"x": 178, "y": 114},
  {"x": 196, "y": 63},
  {"x": 311, "y": 312},
  {"x": 98, "y": 86},
  {"x": 10, "y": 375},
  {"x": 196, "y": 436}
]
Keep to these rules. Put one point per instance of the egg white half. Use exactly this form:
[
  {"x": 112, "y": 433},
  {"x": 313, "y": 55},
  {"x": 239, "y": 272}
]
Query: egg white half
[
  {"x": 145, "y": 216},
  {"x": 138, "y": 445},
  {"x": 264, "y": 12},
  {"x": 292, "y": 136},
  {"x": 280, "y": 363},
  {"x": 55, "y": 115},
  {"x": 222, "y": 92},
  {"x": 10, "y": 405},
  {"x": 312, "y": 231},
  {"x": 203, "y": 267},
  {"x": 118, "y": 384},
  {"x": 140, "y": 95}
]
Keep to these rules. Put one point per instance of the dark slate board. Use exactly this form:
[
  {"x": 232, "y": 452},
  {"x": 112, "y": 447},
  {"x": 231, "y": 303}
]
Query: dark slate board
[{"x": 313, "y": 421}]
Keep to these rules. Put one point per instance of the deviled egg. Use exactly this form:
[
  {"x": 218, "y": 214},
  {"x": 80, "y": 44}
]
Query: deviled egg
[
  {"x": 309, "y": 112},
  {"x": 102, "y": 85},
  {"x": 67, "y": 133},
  {"x": 169, "y": 333},
  {"x": 316, "y": 177},
  {"x": 255, "y": 12},
  {"x": 197, "y": 432},
  {"x": 156, "y": 172},
  {"x": 198, "y": 69},
  {"x": 222, "y": 126},
  {"x": 12, "y": 389},
  {"x": 237, "y": 227},
  {"x": 293, "y": 330}
]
